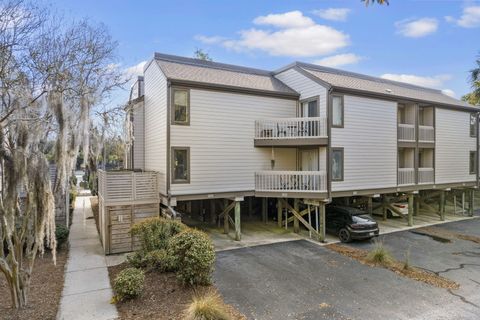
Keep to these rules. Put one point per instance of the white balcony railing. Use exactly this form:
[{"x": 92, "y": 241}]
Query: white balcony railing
[
  {"x": 426, "y": 134},
  {"x": 406, "y": 176},
  {"x": 426, "y": 175},
  {"x": 291, "y": 181},
  {"x": 290, "y": 128},
  {"x": 406, "y": 132}
]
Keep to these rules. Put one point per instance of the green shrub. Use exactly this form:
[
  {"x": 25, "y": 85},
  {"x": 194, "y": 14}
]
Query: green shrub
[
  {"x": 128, "y": 284},
  {"x": 207, "y": 306},
  {"x": 192, "y": 255},
  {"x": 61, "y": 234},
  {"x": 154, "y": 233},
  {"x": 379, "y": 254},
  {"x": 137, "y": 259},
  {"x": 158, "y": 260},
  {"x": 154, "y": 260}
]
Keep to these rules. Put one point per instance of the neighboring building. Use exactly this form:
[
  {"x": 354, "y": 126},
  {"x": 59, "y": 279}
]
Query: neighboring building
[{"x": 308, "y": 132}]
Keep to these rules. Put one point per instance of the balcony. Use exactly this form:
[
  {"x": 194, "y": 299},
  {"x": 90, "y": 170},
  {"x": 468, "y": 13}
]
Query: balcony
[
  {"x": 291, "y": 132},
  {"x": 406, "y": 132},
  {"x": 426, "y": 134},
  {"x": 426, "y": 175},
  {"x": 406, "y": 176},
  {"x": 291, "y": 181}
]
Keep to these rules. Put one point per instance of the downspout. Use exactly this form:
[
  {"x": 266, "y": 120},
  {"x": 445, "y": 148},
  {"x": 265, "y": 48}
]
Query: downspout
[
  {"x": 169, "y": 87},
  {"x": 329, "y": 145}
]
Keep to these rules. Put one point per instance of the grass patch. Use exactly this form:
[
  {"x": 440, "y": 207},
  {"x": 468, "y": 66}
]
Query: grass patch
[
  {"x": 379, "y": 254},
  {"x": 395, "y": 266},
  {"x": 207, "y": 306}
]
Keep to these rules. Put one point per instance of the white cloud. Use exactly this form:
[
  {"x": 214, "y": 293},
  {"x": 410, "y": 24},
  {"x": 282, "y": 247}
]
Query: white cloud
[
  {"x": 136, "y": 70},
  {"x": 469, "y": 19},
  {"x": 335, "y": 14},
  {"x": 339, "y": 60},
  {"x": 435, "y": 82},
  {"x": 294, "y": 35},
  {"x": 449, "y": 92},
  {"x": 209, "y": 40},
  {"x": 429, "y": 82},
  {"x": 417, "y": 28},
  {"x": 292, "y": 19}
]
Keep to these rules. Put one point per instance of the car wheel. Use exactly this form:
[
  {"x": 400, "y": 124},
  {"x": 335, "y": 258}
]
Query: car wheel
[{"x": 344, "y": 235}]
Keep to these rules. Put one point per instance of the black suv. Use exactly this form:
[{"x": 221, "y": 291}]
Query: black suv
[{"x": 350, "y": 223}]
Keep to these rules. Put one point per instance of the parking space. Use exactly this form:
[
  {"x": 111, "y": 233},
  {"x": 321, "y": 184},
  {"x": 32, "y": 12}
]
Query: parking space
[{"x": 302, "y": 280}]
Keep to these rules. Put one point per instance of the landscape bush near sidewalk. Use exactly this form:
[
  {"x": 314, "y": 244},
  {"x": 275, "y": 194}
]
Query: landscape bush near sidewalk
[{"x": 177, "y": 263}]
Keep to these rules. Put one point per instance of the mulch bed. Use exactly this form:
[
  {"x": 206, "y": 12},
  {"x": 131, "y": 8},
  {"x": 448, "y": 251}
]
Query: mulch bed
[
  {"x": 447, "y": 235},
  {"x": 162, "y": 298},
  {"x": 397, "y": 267},
  {"x": 45, "y": 290}
]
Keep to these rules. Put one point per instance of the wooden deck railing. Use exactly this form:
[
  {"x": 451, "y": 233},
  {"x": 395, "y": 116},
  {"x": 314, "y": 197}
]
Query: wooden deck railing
[
  {"x": 291, "y": 181},
  {"x": 127, "y": 186},
  {"x": 426, "y": 175},
  {"x": 406, "y": 132},
  {"x": 406, "y": 176},
  {"x": 426, "y": 134},
  {"x": 290, "y": 128}
]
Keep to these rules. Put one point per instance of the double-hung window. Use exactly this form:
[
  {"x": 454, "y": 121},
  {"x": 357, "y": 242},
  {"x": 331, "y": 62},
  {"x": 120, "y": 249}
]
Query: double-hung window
[
  {"x": 473, "y": 162},
  {"x": 337, "y": 111},
  {"x": 180, "y": 165},
  {"x": 473, "y": 125},
  {"x": 337, "y": 164},
  {"x": 181, "y": 106}
]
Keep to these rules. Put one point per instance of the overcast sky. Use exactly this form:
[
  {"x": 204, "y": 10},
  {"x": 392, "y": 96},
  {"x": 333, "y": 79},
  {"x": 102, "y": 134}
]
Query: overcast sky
[{"x": 429, "y": 43}]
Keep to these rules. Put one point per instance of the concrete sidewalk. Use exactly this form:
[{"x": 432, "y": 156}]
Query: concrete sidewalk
[{"x": 87, "y": 292}]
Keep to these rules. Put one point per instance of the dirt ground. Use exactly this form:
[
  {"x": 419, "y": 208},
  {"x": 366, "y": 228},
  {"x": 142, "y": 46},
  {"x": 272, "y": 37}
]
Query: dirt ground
[
  {"x": 162, "y": 298},
  {"x": 45, "y": 291}
]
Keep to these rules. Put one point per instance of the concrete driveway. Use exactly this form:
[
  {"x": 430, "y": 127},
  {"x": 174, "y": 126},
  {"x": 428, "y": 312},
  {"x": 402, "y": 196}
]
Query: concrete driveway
[{"x": 302, "y": 280}]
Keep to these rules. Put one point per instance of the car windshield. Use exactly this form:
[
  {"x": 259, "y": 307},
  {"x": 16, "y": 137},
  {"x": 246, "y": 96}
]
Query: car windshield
[{"x": 361, "y": 218}]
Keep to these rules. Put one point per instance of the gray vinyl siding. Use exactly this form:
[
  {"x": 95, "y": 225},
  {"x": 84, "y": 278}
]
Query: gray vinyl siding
[
  {"x": 306, "y": 87},
  {"x": 139, "y": 137},
  {"x": 156, "y": 123},
  {"x": 369, "y": 140},
  {"x": 452, "y": 146},
  {"x": 221, "y": 141}
]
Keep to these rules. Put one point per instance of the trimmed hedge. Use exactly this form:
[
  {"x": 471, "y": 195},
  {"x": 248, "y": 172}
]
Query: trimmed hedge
[
  {"x": 61, "y": 234},
  {"x": 193, "y": 256}
]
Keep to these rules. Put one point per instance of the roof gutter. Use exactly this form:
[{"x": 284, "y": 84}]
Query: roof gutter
[
  {"x": 227, "y": 88},
  {"x": 396, "y": 98}
]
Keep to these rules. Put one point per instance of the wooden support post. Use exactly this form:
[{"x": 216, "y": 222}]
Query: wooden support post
[
  {"x": 370, "y": 206},
  {"x": 250, "y": 207},
  {"x": 463, "y": 202},
  {"x": 442, "y": 206},
  {"x": 238, "y": 234},
  {"x": 296, "y": 225},
  {"x": 454, "y": 204},
  {"x": 264, "y": 210},
  {"x": 202, "y": 210},
  {"x": 226, "y": 227},
  {"x": 309, "y": 222},
  {"x": 321, "y": 233},
  {"x": 279, "y": 213},
  {"x": 471, "y": 201},
  {"x": 213, "y": 214},
  {"x": 410, "y": 210},
  {"x": 416, "y": 205},
  {"x": 384, "y": 207}
]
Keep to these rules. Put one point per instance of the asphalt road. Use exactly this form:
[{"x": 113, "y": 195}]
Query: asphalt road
[{"x": 301, "y": 280}]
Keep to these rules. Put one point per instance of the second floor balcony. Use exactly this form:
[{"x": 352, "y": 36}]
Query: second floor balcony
[
  {"x": 286, "y": 132},
  {"x": 406, "y": 132},
  {"x": 291, "y": 181}
]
